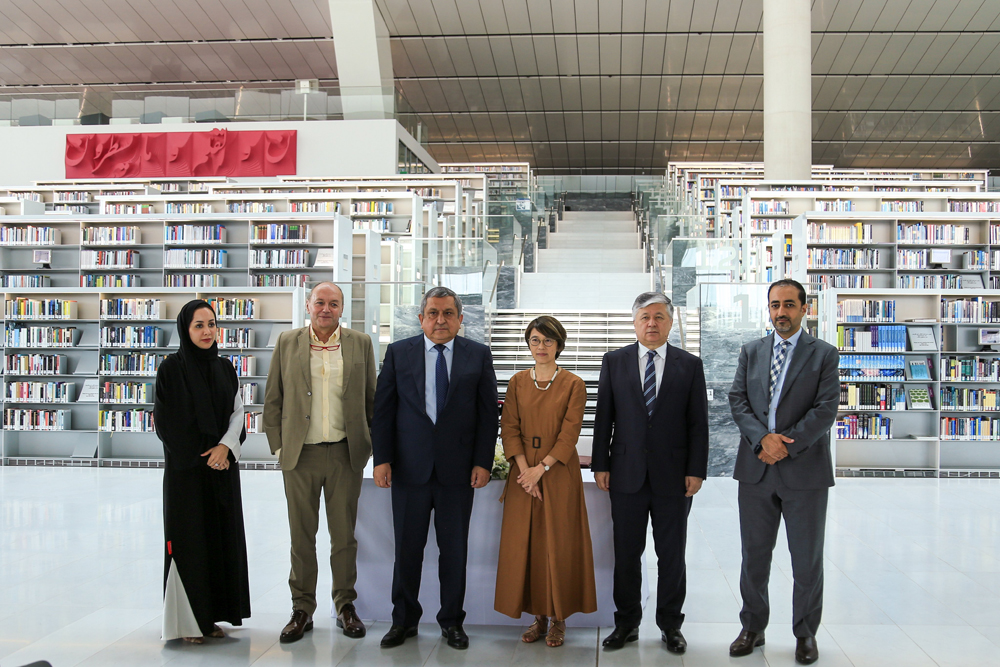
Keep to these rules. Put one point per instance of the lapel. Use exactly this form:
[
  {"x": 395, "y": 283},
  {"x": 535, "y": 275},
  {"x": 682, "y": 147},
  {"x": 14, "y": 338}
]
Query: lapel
[
  {"x": 670, "y": 366},
  {"x": 347, "y": 355},
  {"x": 803, "y": 350},
  {"x": 458, "y": 357},
  {"x": 304, "y": 356},
  {"x": 417, "y": 365},
  {"x": 763, "y": 365},
  {"x": 632, "y": 369}
]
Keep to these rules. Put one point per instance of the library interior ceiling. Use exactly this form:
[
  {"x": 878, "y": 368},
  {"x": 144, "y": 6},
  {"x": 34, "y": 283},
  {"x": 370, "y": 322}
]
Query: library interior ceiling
[{"x": 573, "y": 86}]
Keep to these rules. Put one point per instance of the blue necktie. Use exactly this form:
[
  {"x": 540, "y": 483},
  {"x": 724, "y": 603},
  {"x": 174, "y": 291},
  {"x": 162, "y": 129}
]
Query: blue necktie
[
  {"x": 440, "y": 380},
  {"x": 649, "y": 384}
]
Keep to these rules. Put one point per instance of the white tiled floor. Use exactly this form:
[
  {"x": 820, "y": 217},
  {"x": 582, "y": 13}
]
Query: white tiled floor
[{"x": 912, "y": 578}]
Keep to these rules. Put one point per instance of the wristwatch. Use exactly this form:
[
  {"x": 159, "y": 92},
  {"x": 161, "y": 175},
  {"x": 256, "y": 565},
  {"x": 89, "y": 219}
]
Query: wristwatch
[{"x": 545, "y": 467}]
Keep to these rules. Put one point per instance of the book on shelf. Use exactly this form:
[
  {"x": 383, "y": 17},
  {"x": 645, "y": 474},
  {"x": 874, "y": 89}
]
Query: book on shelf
[
  {"x": 919, "y": 369},
  {"x": 919, "y": 398},
  {"x": 178, "y": 234},
  {"x": 281, "y": 233},
  {"x": 970, "y": 369},
  {"x": 40, "y": 309},
  {"x": 132, "y": 309},
  {"x": 126, "y": 392},
  {"x": 235, "y": 308},
  {"x": 131, "y": 336},
  {"x": 864, "y": 427},
  {"x": 21, "y": 335},
  {"x": 236, "y": 338},
  {"x": 26, "y": 391},
  {"x": 30, "y": 235},
  {"x": 972, "y": 281},
  {"x": 131, "y": 363},
  {"x": 970, "y": 428},
  {"x": 873, "y": 338},
  {"x": 25, "y": 280},
  {"x": 254, "y": 422},
  {"x": 35, "y": 364},
  {"x": 922, "y": 339},
  {"x": 866, "y": 310},
  {"x": 862, "y": 367},
  {"x": 871, "y": 396},
  {"x": 109, "y": 259},
  {"x": 26, "y": 419},
  {"x": 195, "y": 258},
  {"x": 245, "y": 364},
  {"x": 192, "y": 280},
  {"x": 132, "y": 421},
  {"x": 113, "y": 280},
  {"x": 112, "y": 235},
  {"x": 971, "y": 399}
]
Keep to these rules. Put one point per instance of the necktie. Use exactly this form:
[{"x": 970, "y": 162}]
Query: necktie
[
  {"x": 649, "y": 384},
  {"x": 440, "y": 380},
  {"x": 776, "y": 365}
]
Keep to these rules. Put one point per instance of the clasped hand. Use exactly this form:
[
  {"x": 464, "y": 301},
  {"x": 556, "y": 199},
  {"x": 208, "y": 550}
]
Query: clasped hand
[
  {"x": 218, "y": 457},
  {"x": 773, "y": 448},
  {"x": 530, "y": 480}
]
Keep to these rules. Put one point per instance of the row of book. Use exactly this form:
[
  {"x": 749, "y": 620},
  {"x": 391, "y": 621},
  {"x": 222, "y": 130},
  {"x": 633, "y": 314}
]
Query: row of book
[
  {"x": 18, "y": 335},
  {"x": 279, "y": 259},
  {"x": 280, "y": 233},
  {"x": 112, "y": 235},
  {"x": 245, "y": 364},
  {"x": 235, "y": 308},
  {"x": 876, "y": 338},
  {"x": 131, "y": 336},
  {"x": 969, "y": 398},
  {"x": 132, "y": 309},
  {"x": 905, "y": 206},
  {"x": 236, "y": 338},
  {"x": 126, "y": 392},
  {"x": 195, "y": 258},
  {"x": 136, "y": 363},
  {"x": 248, "y": 393},
  {"x": 975, "y": 310},
  {"x": 30, "y": 235},
  {"x": 970, "y": 428},
  {"x": 110, "y": 259},
  {"x": 928, "y": 281},
  {"x": 134, "y": 421},
  {"x": 922, "y": 232},
  {"x": 23, "y": 307},
  {"x": 187, "y": 207},
  {"x": 371, "y": 207},
  {"x": 279, "y": 280},
  {"x": 40, "y": 392},
  {"x": 128, "y": 209},
  {"x": 824, "y": 232},
  {"x": 27, "y": 419},
  {"x": 842, "y": 281},
  {"x": 254, "y": 422},
  {"x": 35, "y": 364},
  {"x": 875, "y": 366},
  {"x": 250, "y": 207},
  {"x": 843, "y": 258},
  {"x": 770, "y": 206},
  {"x": 971, "y": 260},
  {"x": 192, "y": 280},
  {"x": 871, "y": 396},
  {"x": 839, "y": 205},
  {"x": 314, "y": 207},
  {"x": 28, "y": 280},
  {"x": 864, "y": 427},
  {"x": 194, "y": 234},
  {"x": 109, "y": 280},
  {"x": 962, "y": 206},
  {"x": 970, "y": 369},
  {"x": 866, "y": 310},
  {"x": 769, "y": 225}
]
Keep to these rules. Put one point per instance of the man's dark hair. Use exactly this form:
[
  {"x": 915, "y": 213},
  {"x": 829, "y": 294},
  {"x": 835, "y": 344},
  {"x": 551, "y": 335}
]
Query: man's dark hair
[{"x": 788, "y": 282}]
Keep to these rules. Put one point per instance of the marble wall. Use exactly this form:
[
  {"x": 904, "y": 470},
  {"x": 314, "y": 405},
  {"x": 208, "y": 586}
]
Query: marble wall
[
  {"x": 598, "y": 201},
  {"x": 507, "y": 287}
]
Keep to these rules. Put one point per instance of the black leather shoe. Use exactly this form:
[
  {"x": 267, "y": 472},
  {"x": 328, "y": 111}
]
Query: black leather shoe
[
  {"x": 456, "y": 637},
  {"x": 349, "y": 621},
  {"x": 619, "y": 636},
  {"x": 745, "y": 643},
  {"x": 397, "y": 635},
  {"x": 806, "y": 651},
  {"x": 299, "y": 624},
  {"x": 674, "y": 640}
]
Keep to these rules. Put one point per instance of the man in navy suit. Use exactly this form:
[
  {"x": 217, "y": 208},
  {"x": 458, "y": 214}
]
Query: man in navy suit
[
  {"x": 651, "y": 453},
  {"x": 433, "y": 437}
]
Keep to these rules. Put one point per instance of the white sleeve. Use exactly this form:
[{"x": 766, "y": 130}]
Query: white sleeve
[{"x": 232, "y": 437}]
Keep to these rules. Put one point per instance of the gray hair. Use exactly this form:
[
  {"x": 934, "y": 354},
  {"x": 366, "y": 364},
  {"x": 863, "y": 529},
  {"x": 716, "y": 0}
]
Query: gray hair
[
  {"x": 325, "y": 282},
  {"x": 440, "y": 293},
  {"x": 647, "y": 299}
]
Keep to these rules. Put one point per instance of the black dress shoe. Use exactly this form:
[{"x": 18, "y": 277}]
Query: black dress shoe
[
  {"x": 456, "y": 637},
  {"x": 349, "y": 621},
  {"x": 619, "y": 636},
  {"x": 299, "y": 624},
  {"x": 806, "y": 651},
  {"x": 745, "y": 643},
  {"x": 674, "y": 640},
  {"x": 397, "y": 635}
]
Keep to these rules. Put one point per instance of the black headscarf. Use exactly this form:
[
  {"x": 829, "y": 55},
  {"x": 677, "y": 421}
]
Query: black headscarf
[{"x": 211, "y": 384}]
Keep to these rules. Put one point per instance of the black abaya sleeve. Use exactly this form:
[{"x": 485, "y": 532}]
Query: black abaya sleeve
[{"x": 173, "y": 417}]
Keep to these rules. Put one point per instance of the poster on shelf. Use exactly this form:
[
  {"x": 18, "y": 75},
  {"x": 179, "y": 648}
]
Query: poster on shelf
[{"x": 922, "y": 339}]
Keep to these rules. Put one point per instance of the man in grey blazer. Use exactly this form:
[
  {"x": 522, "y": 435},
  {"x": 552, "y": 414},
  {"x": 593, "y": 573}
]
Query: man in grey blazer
[
  {"x": 318, "y": 408},
  {"x": 784, "y": 400}
]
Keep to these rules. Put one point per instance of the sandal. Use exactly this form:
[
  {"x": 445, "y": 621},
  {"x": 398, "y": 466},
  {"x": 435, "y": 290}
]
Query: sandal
[
  {"x": 536, "y": 630},
  {"x": 557, "y": 634},
  {"x": 216, "y": 633}
]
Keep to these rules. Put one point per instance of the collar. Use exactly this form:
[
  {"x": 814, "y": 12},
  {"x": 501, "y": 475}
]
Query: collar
[
  {"x": 794, "y": 339},
  {"x": 660, "y": 351},
  {"x": 334, "y": 338},
  {"x": 429, "y": 344}
]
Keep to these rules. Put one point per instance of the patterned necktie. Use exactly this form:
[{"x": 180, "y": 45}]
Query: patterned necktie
[
  {"x": 649, "y": 384},
  {"x": 440, "y": 380},
  {"x": 776, "y": 365}
]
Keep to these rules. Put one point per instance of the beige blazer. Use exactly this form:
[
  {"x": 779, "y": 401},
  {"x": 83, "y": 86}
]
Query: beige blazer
[{"x": 287, "y": 399}]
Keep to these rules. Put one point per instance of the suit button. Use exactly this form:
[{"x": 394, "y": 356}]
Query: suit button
[
  {"x": 650, "y": 426},
  {"x": 307, "y": 416},
  {"x": 309, "y": 393}
]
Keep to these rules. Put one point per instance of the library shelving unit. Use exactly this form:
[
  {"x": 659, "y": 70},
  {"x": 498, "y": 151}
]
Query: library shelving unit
[
  {"x": 919, "y": 392},
  {"x": 81, "y": 196},
  {"x": 80, "y": 367},
  {"x": 505, "y": 180},
  {"x": 366, "y": 263}
]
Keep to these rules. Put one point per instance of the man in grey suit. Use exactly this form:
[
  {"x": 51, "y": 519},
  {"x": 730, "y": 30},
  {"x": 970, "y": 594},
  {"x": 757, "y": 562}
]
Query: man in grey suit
[{"x": 784, "y": 400}]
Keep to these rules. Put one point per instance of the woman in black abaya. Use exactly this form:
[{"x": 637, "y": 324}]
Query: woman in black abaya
[{"x": 199, "y": 418}]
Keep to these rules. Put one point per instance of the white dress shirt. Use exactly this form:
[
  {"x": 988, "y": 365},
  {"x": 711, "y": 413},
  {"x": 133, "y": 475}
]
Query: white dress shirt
[
  {"x": 793, "y": 340},
  {"x": 430, "y": 373},
  {"x": 658, "y": 363}
]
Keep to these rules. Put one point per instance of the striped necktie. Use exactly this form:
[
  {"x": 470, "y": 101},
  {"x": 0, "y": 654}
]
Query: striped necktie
[
  {"x": 777, "y": 364},
  {"x": 649, "y": 383}
]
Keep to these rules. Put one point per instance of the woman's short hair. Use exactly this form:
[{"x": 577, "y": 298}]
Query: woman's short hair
[{"x": 549, "y": 327}]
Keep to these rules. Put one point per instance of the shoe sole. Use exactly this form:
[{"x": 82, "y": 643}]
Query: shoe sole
[
  {"x": 412, "y": 632},
  {"x": 347, "y": 633},
  {"x": 288, "y": 640},
  {"x": 630, "y": 638},
  {"x": 458, "y": 647},
  {"x": 740, "y": 654}
]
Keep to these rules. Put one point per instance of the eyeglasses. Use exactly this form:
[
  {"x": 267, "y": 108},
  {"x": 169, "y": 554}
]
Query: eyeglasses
[{"x": 535, "y": 342}]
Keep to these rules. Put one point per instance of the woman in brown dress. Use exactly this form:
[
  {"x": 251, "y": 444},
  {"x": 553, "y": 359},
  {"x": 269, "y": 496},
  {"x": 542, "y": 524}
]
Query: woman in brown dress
[{"x": 546, "y": 565}]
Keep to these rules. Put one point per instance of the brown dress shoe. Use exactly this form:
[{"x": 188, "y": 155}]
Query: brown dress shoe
[
  {"x": 745, "y": 643},
  {"x": 349, "y": 621},
  {"x": 806, "y": 651},
  {"x": 299, "y": 624}
]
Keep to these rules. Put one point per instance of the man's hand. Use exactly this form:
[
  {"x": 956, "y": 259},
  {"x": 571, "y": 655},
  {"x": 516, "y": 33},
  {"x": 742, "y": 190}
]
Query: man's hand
[
  {"x": 603, "y": 480},
  {"x": 773, "y": 444},
  {"x": 480, "y": 477},
  {"x": 692, "y": 485},
  {"x": 383, "y": 475},
  {"x": 765, "y": 458}
]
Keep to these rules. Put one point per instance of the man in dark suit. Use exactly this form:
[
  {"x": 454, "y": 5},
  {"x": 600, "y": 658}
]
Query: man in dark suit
[
  {"x": 433, "y": 436},
  {"x": 651, "y": 452},
  {"x": 784, "y": 401}
]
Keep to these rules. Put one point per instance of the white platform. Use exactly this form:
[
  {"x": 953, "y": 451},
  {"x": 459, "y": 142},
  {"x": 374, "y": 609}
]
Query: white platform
[{"x": 912, "y": 579}]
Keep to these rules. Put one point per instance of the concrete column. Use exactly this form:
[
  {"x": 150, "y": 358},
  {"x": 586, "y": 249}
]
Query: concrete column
[
  {"x": 787, "y": 89},
  {"x": 364, "y": 59}
]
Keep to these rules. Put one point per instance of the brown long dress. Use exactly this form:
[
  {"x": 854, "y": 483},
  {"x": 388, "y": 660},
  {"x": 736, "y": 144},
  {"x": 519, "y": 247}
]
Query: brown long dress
[{"x": 546, "y": 563}]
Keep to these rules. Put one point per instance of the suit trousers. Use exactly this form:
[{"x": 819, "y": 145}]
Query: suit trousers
[
  {"x": 411, "y": 517},
  {"x": 323, "y": 469},
  {"x": 630, "y": 514},
  {"x": 762, "y": 506}
]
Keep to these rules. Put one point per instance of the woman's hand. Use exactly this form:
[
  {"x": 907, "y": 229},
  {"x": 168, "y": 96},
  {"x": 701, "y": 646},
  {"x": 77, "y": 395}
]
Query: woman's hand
[
  {"x": 218, "y": 457},
  {"x": 530, "y": 476},
  {"x": 533, "y": 490}
]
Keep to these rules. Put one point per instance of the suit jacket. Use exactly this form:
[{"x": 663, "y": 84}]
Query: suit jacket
[
  {"x": 465, "y": 434},
  {"x": 669, "y": 445},
  {"x": 806, "y": 411},
  {"x": 288, "y": 397}
]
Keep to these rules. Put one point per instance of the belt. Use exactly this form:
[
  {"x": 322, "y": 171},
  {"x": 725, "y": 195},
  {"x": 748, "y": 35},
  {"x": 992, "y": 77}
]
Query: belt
[{"x": 327, "y": 444}]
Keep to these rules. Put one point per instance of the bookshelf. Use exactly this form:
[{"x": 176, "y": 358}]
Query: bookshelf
[
  {"x": 366, "y": 262},
  {"x": 504, "y": 180},
  {"x": 909, "y": 411},
  {"x": 80, "y": 364}
]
